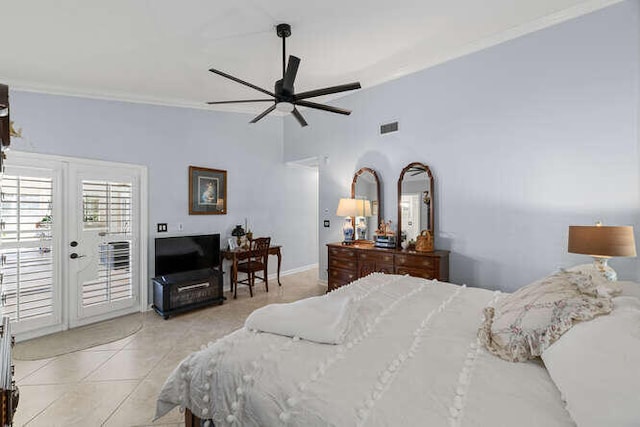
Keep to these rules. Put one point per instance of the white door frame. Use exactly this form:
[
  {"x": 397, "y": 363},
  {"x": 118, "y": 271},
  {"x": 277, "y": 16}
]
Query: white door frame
[{"x": 23, "y": 158}]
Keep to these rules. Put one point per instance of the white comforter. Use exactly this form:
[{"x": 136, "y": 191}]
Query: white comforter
[{"x": 410, "y": 358}]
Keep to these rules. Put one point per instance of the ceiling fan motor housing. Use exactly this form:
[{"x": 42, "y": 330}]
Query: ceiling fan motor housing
[{"x": 281, "y": 93}]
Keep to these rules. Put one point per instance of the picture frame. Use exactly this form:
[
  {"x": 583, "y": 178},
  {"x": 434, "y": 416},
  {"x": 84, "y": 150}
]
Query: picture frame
[
  {"x": 207, "y": 191},
  {"x": 233, "y": 243}
]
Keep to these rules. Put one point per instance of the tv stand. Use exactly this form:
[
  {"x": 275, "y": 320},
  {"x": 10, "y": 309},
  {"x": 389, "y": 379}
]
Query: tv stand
[{"x": 180, "y": 292}]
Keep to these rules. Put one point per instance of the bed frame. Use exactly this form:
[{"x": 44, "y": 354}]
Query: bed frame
[{"x": 191, "y": 420}]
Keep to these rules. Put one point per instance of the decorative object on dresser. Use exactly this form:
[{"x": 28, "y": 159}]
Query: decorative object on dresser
[
  {"x": 424, "y": 241},
  {"x": 186, "y": 274},
  {"x": 207, "y": 191},
  {"x": 348, "y": 209},
  {"x": 348, "y": 263},
  {"x": 385, "y": 236},
  {"x": 602, "y": 243},
  {"x": 365, "y": 188},
  {"x": 415, "y": 202}
]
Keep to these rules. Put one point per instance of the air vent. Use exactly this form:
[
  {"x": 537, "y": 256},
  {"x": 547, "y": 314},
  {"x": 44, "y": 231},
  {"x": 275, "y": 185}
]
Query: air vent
[{"x": 388, "y": 128}]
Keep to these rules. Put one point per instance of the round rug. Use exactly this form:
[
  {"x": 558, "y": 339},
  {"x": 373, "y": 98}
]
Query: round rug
[{"x": 79, "y": 338}]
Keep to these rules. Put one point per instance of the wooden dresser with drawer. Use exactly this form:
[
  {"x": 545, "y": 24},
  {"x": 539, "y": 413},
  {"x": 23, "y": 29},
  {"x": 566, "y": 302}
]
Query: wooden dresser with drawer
[{"x": 350, "y": 262}]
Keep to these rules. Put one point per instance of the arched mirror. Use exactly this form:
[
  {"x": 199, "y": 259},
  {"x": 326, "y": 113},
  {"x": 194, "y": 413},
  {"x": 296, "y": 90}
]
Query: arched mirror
[
  {"x": 366, "y": 189},
  {"x": 415, "y": 202}
]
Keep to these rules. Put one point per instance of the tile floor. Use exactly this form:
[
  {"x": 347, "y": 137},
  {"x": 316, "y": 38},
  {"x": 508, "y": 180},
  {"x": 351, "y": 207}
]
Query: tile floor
[{"x": 116, "y": 384}]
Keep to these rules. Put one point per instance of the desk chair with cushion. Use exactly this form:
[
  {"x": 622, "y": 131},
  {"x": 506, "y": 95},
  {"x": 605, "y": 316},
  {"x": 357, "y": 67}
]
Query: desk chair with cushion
[{"x": 256, "y": 261}]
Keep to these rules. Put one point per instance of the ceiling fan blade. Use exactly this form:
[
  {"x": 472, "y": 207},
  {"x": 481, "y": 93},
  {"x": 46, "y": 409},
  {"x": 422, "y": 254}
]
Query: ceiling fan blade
[
  {"x": 239, "y": 101},
  {"x": 264, "y": 113},
  {"x": 242, "y": 82},
  {"x": 322, "y": 107},
  {"x": 290, "y": 75},
  {"x": 299, "y": 117},
  {"x": 328, "y": 90}
]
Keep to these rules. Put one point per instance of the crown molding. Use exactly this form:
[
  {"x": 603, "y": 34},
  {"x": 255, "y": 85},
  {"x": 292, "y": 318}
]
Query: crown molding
[{"x": 469, "y": 48}]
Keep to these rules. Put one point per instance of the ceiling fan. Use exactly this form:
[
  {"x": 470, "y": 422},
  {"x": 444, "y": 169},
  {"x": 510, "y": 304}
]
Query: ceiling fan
[{"x": 283, "y": 96}]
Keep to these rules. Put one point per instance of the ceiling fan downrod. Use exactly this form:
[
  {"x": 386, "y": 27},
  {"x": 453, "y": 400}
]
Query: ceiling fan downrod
[{"x": 283, "y": 31}]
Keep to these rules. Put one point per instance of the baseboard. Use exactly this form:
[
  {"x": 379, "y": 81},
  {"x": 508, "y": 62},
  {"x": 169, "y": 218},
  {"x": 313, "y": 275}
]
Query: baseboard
[{"x": 273, "y": 276}]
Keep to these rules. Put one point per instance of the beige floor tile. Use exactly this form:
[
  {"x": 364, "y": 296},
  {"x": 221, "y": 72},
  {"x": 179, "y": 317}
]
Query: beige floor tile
[
  {"x": 140, "y": 407},
  {"x": 36, "y": 398},
  {"x": 155, "y": 338},
  {"x": 68, "y": 368},
  {"x": 115, "y": 345},
  {"x": 87, "y": 404},
  {"x": 128, "y": 365},
  {"x": 25, "y": 368}
]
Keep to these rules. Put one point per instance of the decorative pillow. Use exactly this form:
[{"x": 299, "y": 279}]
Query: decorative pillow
[
  {"x": 599, "y": 284},
  {"x": 596, "y": 364},
  {"x": 523, "y": 324}
]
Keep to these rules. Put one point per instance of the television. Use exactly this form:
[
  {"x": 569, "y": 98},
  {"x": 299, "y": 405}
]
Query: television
[{"x": 186, "y": 253}]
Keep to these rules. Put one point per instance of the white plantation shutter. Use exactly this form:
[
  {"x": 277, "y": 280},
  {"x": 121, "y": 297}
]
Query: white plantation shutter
[
  {"x": 26, "y": 247},
  {"x": 107, "y": 209}
]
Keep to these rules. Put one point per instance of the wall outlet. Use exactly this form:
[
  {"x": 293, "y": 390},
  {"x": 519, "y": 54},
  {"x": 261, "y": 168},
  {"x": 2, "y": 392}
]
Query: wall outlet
[
  {"x": 162, "y": 227},
  {"x": 180, "y": 227},
  {"x": 327, "y": 224}
]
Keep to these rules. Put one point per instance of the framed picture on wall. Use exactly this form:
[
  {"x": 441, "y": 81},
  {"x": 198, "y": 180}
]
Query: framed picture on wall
[{"x": 207, "y": 191}]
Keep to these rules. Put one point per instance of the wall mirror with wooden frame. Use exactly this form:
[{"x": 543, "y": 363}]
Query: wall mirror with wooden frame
[
  {"x": 365, "y": 188},
  {"x": 415, "y": 202}
]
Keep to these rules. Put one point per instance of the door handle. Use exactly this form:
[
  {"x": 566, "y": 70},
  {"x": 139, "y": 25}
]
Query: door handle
[{"x": 76, "y": 256}]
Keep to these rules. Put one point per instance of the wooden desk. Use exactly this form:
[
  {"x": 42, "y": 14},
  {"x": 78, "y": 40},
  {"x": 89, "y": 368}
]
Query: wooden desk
[{"x": 239, "y": 254}]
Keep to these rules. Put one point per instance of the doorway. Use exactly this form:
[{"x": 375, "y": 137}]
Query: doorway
[{"x": 72, "y": 242}]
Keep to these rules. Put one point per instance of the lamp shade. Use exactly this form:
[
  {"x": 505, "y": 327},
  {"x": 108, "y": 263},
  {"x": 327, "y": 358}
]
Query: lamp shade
[
  {"x": 363, "y": 207},
  {"x": 347, "y": 207},
  {"x": 602, "y": 241}
]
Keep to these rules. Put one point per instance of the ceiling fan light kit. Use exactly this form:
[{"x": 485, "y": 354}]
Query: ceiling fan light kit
[{"x": 283, "y": 97}]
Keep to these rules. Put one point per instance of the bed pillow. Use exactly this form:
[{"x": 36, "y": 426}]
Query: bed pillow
[
  {"x": 596, "y": 367},
  {"x": 599, "y": 284},
  {"x": 523, "y": 324}
]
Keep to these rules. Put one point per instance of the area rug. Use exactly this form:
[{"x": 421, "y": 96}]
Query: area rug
[{"x": 78, "y": 338}]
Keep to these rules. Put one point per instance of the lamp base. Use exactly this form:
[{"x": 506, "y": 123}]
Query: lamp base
[{"x": 607, "y": 272}]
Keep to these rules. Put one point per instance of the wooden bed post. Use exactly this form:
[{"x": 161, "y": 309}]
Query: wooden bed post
[{"x": 191, "y": 420}]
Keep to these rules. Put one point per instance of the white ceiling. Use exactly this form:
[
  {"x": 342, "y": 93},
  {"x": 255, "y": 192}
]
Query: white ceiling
[{"x": 159, "y": 51}]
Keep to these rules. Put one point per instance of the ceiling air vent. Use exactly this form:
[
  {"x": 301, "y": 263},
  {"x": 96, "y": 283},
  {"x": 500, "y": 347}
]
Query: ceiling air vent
[{"x": 388, "y": 128}]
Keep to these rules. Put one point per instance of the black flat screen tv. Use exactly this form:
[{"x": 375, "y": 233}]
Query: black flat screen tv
[{"x": 186, "y": 253}]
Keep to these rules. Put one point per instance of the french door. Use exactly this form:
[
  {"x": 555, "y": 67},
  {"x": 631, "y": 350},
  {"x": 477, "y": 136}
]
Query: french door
[
  {"x": 71, "y": 246},
  {"x": 30, "y": 273},
  {"x": 103, "y": 242}
]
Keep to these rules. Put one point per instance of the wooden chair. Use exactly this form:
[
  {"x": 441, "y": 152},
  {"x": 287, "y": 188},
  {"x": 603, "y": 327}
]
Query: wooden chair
[{"x": 256, "y": 261}]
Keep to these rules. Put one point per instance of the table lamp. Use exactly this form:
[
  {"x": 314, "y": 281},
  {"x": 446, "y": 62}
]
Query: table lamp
[
  {"x": 602, "y": 242},
  {"x": 347, "y": 208},
  {"x": 364, "y": 210}
]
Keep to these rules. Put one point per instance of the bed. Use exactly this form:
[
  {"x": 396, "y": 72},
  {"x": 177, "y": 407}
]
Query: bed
[{"x": 411, "y": 356}]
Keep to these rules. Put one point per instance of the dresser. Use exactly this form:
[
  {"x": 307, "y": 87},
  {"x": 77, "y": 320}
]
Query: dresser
[{"x": 350, "y": 262}]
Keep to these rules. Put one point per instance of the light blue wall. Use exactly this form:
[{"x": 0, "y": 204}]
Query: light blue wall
[
  {"x": 277, "y": 200},
  {"x": 524, "y": 139}
]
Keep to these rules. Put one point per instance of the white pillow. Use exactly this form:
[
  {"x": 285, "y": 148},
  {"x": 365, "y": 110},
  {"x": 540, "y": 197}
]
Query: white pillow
[{"x": 596, "y": 367}]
